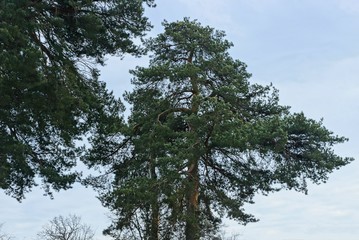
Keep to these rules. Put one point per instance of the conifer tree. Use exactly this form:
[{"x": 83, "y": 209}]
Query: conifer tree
[
  {"x": 202, "y": 140},
  {"x": 50, "y": 95}
]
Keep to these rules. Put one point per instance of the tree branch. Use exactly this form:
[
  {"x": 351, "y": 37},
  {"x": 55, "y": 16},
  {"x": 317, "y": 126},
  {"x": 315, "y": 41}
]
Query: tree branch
[{"x": 172, "y": 110}]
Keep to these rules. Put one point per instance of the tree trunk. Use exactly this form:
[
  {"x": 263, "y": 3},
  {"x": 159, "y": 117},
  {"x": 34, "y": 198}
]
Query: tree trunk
[
  {"x": 192, "y": 229},
  {"x": 155, "y": 216},
  {"x": 154, "y": 233}
]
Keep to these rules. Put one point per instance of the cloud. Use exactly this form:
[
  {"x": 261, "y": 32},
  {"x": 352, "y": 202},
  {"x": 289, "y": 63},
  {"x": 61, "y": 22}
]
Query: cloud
[
  {"x": 350, "y": 6},
  {"x": 261, "y": 5},
  {"x": 26, "y": 219},
  {"x": 326, "y": 89},
  {"x": 212, "y": 12}
]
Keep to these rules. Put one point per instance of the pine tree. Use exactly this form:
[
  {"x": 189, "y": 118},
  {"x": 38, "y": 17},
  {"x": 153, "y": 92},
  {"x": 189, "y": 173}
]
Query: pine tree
[
  {"x": 50, "y": 95},
  {"x": 202, "y": 140}
]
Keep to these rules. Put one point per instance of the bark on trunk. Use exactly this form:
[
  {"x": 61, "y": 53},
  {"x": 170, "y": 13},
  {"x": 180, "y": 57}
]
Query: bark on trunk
[
  {"x": 192, "y": 229},
  {"x": 155, "y": 216},
  {"x": 154, "y": 234}
]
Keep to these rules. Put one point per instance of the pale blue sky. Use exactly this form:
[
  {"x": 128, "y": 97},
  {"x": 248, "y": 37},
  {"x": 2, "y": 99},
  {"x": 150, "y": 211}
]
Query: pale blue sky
[{"x": 309, "y": 50}]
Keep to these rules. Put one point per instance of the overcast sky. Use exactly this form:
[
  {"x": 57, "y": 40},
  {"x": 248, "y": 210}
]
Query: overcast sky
[{"x": 309, "y": 50}]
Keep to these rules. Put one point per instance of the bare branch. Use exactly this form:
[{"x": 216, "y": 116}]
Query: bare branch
[{"x": 66, "y": 228}]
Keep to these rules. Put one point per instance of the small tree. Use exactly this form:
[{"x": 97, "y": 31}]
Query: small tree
[
  {"x": 4, "y": 236},
  {"x": 66, "y": 228}
]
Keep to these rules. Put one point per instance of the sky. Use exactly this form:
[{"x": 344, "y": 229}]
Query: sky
[{"x": 309, "y": 50}]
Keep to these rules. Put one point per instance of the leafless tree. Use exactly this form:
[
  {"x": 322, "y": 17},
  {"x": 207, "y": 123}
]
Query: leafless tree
[
  {"x": 4, "y": 236},
  {"x": 66, "y": 228}
]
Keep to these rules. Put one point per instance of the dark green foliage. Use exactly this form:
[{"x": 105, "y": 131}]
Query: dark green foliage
[
  {"x": 50, "y": 96},
  {"x": 201, "y": 141}
]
